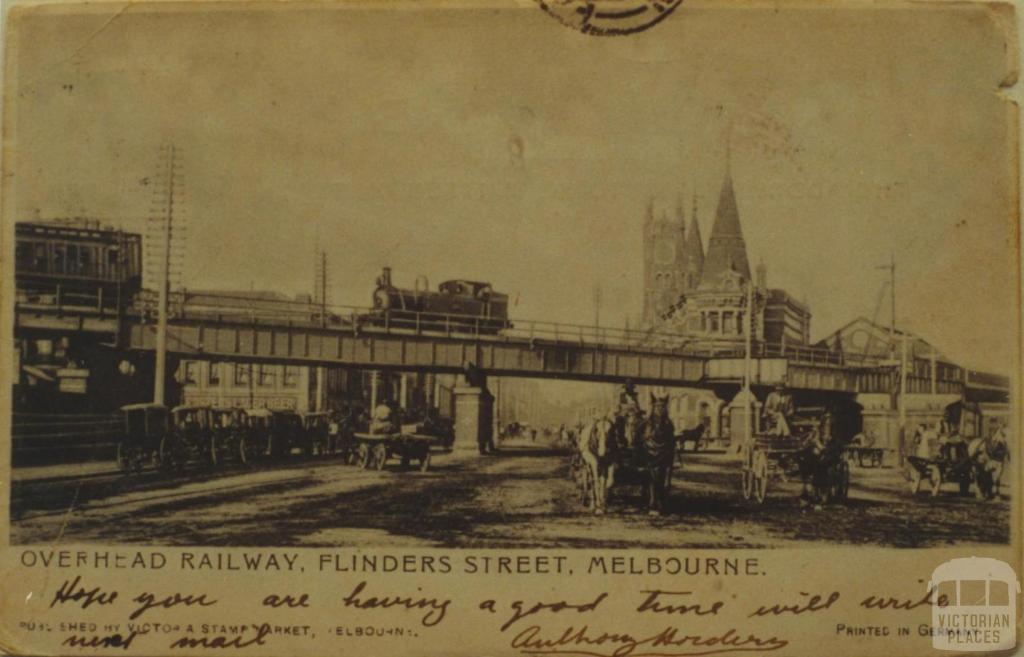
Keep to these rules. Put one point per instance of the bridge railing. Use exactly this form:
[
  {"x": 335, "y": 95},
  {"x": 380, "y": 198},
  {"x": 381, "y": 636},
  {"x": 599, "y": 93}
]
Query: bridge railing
[
  {"x": 272, "y": 311},
  {"x": 360, "y": 319}
]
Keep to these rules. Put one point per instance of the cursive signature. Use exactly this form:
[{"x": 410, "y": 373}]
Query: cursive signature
[{"x": 599, "y": 643}]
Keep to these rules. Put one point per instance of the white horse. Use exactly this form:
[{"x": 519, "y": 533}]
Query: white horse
[
  {"x": 596, "y": 447},
  {"x": 990, "y": 456}
]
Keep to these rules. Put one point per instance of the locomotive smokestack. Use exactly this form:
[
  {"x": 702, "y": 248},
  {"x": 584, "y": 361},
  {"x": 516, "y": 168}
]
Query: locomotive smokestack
[{"x": 385, "y": 277}]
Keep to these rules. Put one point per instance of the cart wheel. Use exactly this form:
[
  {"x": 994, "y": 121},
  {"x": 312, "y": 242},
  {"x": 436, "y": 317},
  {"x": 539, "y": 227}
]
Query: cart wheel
[
  {"x": 935, "y": 476},
  {"x": 380, "y": 455},
  {"x": 760, "y": 474},
  {"x": 425, "y": 462},
  {"x": 748, "y": 483},
  {"x": 915, "y": 480}
]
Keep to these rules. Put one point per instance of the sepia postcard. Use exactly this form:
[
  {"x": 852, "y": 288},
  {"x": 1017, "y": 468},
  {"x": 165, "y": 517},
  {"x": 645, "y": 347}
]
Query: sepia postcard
[{"x": 632, "y": 328}]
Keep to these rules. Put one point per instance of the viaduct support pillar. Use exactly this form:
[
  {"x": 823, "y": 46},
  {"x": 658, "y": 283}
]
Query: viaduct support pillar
[{"x": 474, "y": 412}]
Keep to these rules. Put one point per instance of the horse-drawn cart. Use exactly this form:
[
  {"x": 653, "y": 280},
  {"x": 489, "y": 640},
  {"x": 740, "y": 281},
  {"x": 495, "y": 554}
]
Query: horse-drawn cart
[
  {"x": 937, "y": 471},
  {"x": 863, "y": 451},
  {"x": 812, "y": 454},
  {"x": 375, "y": 449},
  {"x": 785, "y": 459},
  {"x": 957, "y": 453}
]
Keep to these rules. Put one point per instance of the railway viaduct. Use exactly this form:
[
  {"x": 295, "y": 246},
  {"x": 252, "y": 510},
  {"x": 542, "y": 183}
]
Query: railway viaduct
[{"x": 530, "y": 349}]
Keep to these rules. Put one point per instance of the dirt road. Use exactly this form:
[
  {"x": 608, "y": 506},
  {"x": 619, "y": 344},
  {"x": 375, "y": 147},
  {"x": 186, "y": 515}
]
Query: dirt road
[{"x": 520, "y": 498}]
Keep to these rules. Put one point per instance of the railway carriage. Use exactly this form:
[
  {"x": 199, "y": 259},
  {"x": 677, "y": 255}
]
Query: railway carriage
[{"x": 76, "y": 263}]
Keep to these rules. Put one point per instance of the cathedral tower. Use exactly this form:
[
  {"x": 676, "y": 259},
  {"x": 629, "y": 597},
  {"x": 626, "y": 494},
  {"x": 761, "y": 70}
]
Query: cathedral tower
[{"x": 664, "y": 264}]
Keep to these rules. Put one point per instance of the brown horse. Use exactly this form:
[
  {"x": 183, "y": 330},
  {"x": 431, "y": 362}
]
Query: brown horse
[{"x": 656, "y": 449}]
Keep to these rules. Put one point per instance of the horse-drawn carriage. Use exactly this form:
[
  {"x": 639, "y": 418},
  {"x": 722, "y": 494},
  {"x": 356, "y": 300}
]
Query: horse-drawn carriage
[
  {"x": 958, "y": 453},
  {"x": 811, "y": 452},
  {"x": 228, "y": 429},
  {"x": 316, "y": 427},
  {"x": 190, "y": 438},
  {"x": 145, "y": 427},
  {"x": 376, "y": 448}
]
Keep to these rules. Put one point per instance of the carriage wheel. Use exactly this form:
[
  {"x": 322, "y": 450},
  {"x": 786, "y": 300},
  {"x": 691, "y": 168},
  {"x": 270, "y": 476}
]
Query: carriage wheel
[
  {"x": 748, "y": 483},
  {"x": 841, "y": 480},
  {"x": 760, "y": 474},
  {"x": 935, "y": 477},
  {"x": 243, "y": 451},
  {"x": 983, "y": 485},
  {"x": 123, "y": 457},
  {"x": 380, "y": 455},
  {"x": 425, "y": 462},
  {"x": 170, "y": 455},
  {"x": 915, "y": 480},
  {"x": 585, "y": 486}
]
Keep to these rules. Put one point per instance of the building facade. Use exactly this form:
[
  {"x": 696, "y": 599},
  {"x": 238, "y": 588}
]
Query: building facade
[{"x": 704, "y": 296}]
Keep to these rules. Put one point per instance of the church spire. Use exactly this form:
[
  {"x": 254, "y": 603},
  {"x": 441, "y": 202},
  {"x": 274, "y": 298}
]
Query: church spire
[
  {"x": 726, "y": 248},
  {"x": 694, "y": 250}
]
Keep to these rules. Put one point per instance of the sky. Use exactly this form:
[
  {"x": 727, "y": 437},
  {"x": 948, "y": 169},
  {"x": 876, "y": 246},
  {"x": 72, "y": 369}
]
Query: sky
[{"x": 496, "y": 144}]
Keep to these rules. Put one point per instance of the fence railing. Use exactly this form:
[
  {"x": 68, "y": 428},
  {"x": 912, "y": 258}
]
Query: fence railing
[{"x": 47, "y": 437}]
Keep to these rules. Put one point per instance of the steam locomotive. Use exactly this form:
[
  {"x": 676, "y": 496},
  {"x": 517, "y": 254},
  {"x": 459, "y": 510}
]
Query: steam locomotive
[{"x": 457, "y": 306}]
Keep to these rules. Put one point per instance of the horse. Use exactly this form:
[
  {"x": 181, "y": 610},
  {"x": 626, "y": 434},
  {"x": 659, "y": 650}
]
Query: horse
[
  {"x": 989, "y": 456},
  {"x": 655, "y": 447},
  {"x": 695, "y": 435},
  {"x": 597, "y": 448}
]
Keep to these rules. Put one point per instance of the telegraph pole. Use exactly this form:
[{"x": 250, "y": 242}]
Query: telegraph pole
[
  {"x": 903, "y": 394},
  {"x": 320, "y": 290},
  {"x": 159, "y": 393},
  {"x": 747, "y": 363},
  {"x": 892, "y": 302}
]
